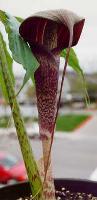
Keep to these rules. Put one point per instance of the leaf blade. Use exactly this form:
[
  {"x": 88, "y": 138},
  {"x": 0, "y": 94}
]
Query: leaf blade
[
  {"x": 21, "y": 51},
  {"x": 73, "y": 62}
]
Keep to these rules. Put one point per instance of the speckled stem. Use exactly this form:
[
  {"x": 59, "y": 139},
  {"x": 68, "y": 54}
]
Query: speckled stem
[
  {"x": 46, "y": 79},
  {"x": 46, "y": 90},
  {"x": 31, "y": 166}
]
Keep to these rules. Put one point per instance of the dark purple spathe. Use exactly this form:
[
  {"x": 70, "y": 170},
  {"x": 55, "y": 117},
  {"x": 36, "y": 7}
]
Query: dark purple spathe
[{"x": 47, "y": 34}]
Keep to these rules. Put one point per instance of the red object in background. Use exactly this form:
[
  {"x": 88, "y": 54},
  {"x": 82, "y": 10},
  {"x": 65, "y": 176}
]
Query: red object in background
[
  {"x": 18, "y": 172},
  {"x": 11, "y": 168},
  {"x": 5, "y": 176}
]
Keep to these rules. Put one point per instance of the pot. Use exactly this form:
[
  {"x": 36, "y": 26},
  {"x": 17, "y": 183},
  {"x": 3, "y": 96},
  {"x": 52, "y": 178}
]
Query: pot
[{"x": 16, "y": 191}]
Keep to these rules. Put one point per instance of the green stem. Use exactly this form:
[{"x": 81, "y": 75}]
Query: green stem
[{"x": 29, "y": 160}]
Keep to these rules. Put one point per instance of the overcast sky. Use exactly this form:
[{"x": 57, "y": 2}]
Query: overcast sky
[{"x": 87, "y": 47}]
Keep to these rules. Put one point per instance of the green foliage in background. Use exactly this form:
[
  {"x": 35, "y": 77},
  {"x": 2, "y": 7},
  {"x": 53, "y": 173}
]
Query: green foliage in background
[{"x": 70, "y": 122}]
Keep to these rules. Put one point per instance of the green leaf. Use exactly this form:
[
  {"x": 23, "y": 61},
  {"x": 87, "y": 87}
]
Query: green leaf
[
  {"x": 21, "y": 51},
  {"x": 74, "y": 63},
  {"x": 73, "y": 60},
  {"x": 9, "y": 65},
  {"x": 19, "y": 19}
]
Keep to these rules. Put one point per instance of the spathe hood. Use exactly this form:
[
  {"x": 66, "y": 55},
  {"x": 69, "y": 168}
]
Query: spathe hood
[{"x": 55, "y": 23}]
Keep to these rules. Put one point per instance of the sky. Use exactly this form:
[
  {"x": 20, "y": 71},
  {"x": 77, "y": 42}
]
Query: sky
[{"x": 87, "y": 46}]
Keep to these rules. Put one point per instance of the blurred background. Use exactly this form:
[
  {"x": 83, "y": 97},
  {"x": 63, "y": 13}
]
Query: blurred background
[{"x": 76, "y": 129}]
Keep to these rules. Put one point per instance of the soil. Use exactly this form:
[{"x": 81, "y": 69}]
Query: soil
[{"x": 67, "y": 195}]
